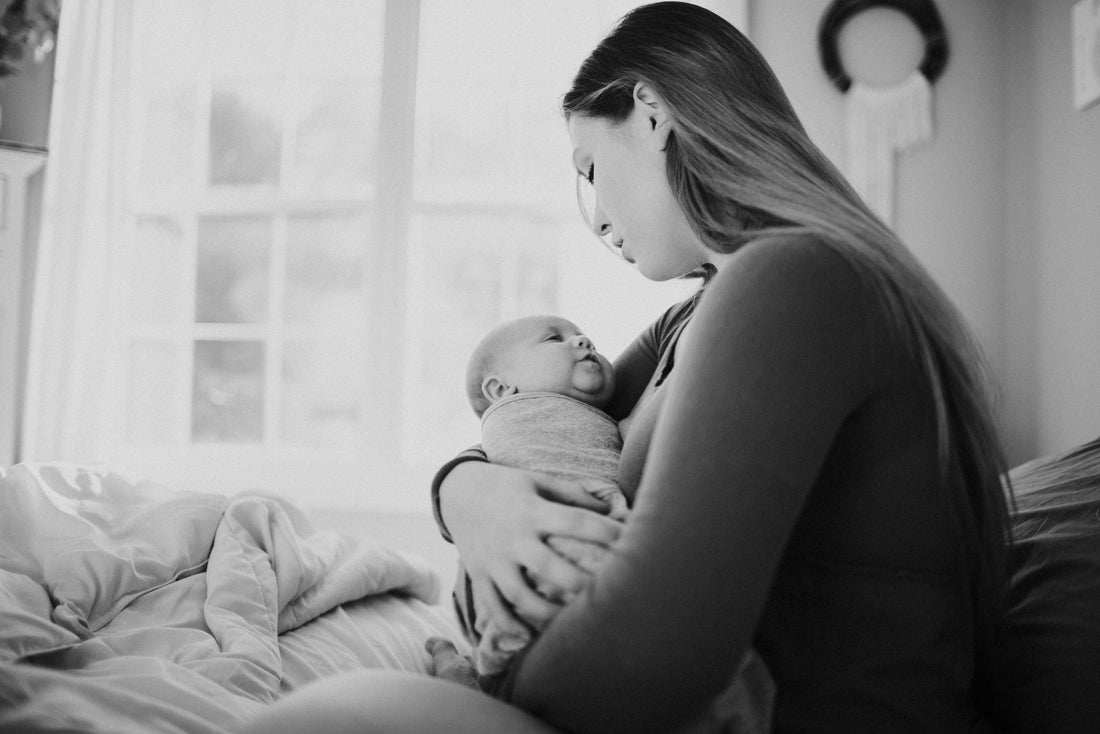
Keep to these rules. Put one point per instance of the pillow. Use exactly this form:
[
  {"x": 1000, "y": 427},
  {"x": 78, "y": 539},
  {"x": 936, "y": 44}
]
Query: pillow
[{"x": 1051, "y": 648}]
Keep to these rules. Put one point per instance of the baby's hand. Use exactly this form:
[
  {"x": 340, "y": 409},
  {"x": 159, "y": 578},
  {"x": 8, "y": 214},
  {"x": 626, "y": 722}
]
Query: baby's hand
[{"x": 609, "y": 493}]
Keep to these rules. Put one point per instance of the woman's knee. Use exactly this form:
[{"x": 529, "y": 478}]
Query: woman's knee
[{"x": 386, "y": 701}]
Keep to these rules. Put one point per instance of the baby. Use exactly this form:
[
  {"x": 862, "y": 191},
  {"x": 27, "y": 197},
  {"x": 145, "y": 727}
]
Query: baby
[{"x": 538, "y": 385}]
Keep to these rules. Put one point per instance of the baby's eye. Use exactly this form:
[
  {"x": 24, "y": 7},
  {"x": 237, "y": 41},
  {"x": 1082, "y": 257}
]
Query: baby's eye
[{"x": 552, "y": 338}]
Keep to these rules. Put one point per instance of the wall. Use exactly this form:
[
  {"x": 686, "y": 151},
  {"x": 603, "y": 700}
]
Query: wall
[
  {"x": 1052, "y": 228},
  {"x": 1001, "y": 206}
]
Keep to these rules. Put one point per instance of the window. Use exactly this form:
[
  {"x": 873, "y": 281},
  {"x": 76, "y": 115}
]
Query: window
[{"x": 328, "y": 206}]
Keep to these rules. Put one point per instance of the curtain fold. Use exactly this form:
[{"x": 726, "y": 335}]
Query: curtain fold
[{"x": 73, "y": 319}]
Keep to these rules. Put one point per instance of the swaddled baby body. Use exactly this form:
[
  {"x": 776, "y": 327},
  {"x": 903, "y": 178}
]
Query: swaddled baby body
[{"x": 539, "y": 386}]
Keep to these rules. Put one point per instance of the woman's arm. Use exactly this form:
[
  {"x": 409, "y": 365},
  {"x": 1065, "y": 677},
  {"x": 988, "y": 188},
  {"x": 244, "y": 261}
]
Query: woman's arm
[{"x": 778, "y": 354}]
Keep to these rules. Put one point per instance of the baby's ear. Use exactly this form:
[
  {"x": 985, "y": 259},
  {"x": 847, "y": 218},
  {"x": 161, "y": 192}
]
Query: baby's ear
[{"x": 494, "y": 388}]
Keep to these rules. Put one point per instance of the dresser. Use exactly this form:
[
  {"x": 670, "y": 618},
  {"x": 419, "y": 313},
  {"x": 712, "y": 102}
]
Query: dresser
[{"x": 18, "y": 164}]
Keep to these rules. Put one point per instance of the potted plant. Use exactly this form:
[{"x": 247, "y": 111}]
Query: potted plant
[{"x": 26, "y": 24}]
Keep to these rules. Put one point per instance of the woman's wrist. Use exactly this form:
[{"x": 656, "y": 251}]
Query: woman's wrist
[{"x": 471, "y": 454}]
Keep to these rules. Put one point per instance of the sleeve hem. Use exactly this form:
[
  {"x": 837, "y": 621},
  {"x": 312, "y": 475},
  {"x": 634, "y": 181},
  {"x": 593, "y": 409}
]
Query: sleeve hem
[{"x": 472, "y": 454}]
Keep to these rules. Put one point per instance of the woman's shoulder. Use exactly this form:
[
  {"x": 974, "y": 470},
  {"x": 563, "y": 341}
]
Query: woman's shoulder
[
  {"x": 797, "y": 294},
  {"x": 793, "y": 257},
  {"x": 796, "y": 275}
]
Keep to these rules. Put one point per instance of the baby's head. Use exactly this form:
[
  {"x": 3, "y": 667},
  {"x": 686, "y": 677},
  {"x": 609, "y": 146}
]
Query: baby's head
[{"x": 537, "y": 354}]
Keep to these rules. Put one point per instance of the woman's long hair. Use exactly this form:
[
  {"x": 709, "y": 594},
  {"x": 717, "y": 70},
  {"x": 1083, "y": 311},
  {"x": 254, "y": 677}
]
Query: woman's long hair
[{"x": 743, "y": 169}]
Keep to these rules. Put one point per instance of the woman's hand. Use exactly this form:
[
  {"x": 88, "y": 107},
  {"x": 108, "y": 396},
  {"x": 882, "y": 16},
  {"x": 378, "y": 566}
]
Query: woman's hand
[{"x": 500, "y": 517}]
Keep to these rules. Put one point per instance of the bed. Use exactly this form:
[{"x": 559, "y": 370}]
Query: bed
[{"x": 126, "y": 606}]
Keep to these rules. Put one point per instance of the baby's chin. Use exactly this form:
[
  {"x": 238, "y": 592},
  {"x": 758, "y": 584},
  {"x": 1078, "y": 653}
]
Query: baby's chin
[{"x": 601, "y": 397}]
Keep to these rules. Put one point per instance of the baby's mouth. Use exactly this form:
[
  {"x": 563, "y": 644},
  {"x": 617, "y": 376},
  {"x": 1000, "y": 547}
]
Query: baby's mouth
[{"x": 590, "y": 357}]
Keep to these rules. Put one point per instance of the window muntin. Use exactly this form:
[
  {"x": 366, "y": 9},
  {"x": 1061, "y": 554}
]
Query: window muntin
[{"x": 323, "y": 226}]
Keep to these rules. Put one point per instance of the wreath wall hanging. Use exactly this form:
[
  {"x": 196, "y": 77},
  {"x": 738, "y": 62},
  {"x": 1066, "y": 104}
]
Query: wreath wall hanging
[{"x": 883, "y": 120}]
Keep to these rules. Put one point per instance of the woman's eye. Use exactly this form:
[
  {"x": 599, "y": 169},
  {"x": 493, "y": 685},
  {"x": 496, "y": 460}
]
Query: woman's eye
[{"x": 591, "y": 176}]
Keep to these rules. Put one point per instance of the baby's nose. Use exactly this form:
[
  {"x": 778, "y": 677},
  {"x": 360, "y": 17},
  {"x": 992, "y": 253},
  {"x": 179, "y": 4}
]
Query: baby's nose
[{"x": 583, "y": 342}]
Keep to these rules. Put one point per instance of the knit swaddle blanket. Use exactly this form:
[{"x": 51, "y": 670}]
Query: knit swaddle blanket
[{"x": 557, "y": 435}]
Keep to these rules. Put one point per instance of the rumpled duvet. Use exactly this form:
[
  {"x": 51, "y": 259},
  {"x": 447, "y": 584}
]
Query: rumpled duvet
[{"x": 128, "y": 607}]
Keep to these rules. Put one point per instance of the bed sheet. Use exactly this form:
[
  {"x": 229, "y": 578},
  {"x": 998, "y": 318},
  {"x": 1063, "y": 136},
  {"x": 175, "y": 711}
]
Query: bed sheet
[{"x": 130, "y": 607}]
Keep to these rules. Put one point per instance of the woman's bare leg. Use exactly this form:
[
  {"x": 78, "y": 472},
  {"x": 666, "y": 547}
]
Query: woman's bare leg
[{"x": 386, "y": 701}]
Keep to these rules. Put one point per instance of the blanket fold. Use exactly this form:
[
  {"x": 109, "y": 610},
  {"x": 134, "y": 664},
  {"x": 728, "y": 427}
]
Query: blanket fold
[{"x": 125, "y": 602}]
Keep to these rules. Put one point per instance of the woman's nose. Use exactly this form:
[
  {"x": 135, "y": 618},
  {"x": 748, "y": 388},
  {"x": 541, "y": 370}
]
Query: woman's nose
[{"x": 600, "y": 224}]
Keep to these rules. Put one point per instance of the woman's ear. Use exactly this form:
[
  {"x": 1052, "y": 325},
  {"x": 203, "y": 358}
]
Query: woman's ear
[
  {"x": 651, "y": 108},
  {"x": 494, "y": 388}
]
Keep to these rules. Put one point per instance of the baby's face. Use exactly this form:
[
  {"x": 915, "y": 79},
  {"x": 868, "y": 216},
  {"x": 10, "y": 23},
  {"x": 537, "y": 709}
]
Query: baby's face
[{"x": 550, "y": 354}]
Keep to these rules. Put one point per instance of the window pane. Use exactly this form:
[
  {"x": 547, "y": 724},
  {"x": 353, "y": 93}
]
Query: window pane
[
  {"x": 248, "y": 37},
  {"x": 325, "y": 258},
  {"x": 336, "y": 131},
  {"x": 157, "y": 270},
  {"x": 151, "y": 415},
  {"x": 322, "y": 393},
  {"x": 466, "y": 273},
  {"x": 350, "y": 40},
  {"x": 245, "y": 134},
  {"x": 454, "y": 151},
  {"x": 233, "y": 261},
  {"x": 227, "y": 403},
  {"x": 167, "y": 161},
  {"x": 511, "y": 62},
  {"x": 165, "y": 38}
]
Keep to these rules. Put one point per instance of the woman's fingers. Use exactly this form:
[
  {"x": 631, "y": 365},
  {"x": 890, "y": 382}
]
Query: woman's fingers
[
  {"x": 488, "y": 604},
  {"x": 568, "y": 492},
  {"x": 578, "y": 523},
  {"x": 586, "y": 555},
  {"x": 554, "y": 577},
  {"x": 509, "y": 603}
]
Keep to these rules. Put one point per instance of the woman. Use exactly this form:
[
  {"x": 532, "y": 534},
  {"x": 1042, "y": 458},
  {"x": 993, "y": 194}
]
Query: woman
[{"x": 808, "y": 445}]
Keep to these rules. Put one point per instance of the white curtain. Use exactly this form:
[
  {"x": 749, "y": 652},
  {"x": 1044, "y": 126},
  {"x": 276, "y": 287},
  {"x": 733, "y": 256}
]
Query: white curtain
[{"x": 70, "y": 362}]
